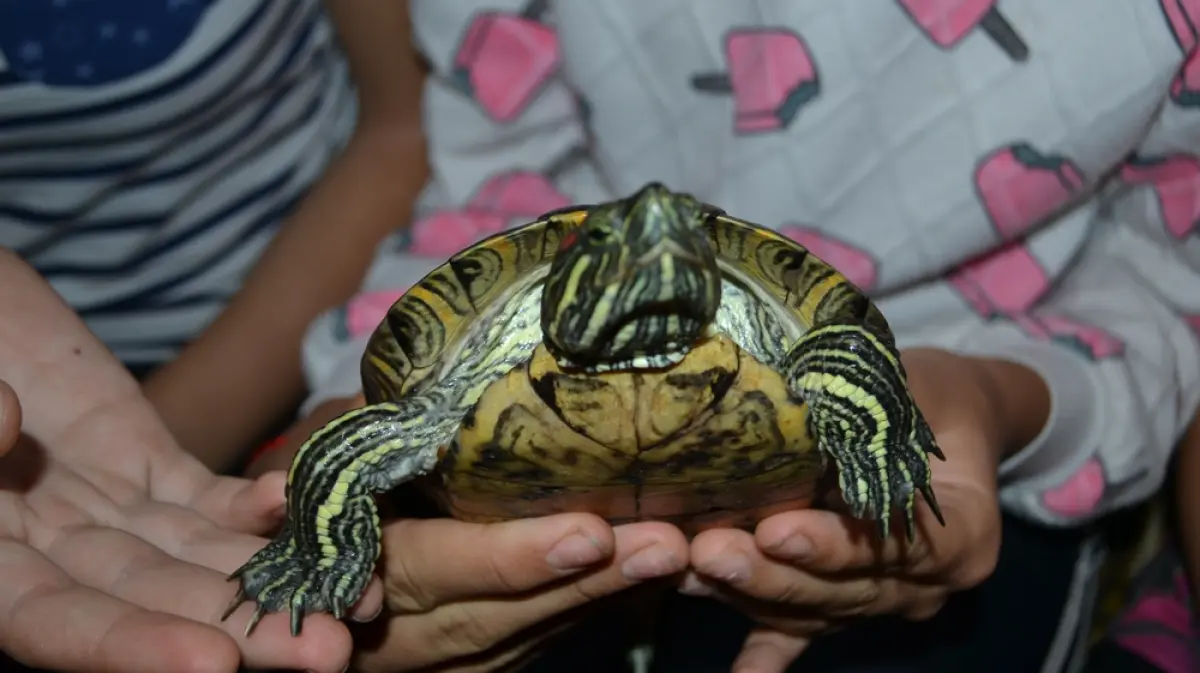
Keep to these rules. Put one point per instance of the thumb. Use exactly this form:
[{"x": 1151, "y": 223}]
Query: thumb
[
  {"x": 769, "y": 651},
  {"x": 10, "y": 418}
]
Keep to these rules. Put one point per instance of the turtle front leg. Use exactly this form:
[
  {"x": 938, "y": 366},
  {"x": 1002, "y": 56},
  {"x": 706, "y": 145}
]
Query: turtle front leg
[
  {"x": 863, "y": 416},
  {"x": 323, "y": 557}
]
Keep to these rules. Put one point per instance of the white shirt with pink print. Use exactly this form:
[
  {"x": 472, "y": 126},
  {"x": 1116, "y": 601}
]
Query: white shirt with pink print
[{"x": 1019, "y": 178}]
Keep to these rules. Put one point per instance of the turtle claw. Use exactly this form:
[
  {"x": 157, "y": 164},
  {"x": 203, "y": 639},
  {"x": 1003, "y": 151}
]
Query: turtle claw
[
  {"x": 285, "y": 576},
  {"x": 874, "y": 488}
]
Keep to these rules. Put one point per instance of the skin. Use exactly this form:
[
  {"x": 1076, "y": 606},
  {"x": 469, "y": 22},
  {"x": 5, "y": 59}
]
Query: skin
[
  {"x": 1188, "y": 503},
  {"x": 108, "y": 530},
  {"x": 245, "y": 368},
  {"x": 981, "y": 411},
  {"x": 453, "y": 608}
]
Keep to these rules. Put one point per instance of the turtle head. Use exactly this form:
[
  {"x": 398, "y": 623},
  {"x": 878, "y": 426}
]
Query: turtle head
[{"x": 634, "y": 283}]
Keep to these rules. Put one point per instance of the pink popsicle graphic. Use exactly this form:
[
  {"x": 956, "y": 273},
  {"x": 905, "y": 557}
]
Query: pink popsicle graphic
[
  {"x": 855, "y": 264},
  {"x": 365, "y": 311},
  {"x": 1182, "y": 16},
  {"x": 499, "y": 200},
  {"x": 1008, "y": 284},
  {"x": 504, "y": 60},
  {"x": 1020, "y": 186},
  {"x": 947, "y": 22},
  {"x": 771, "y": 77},
  {"x": 1175, "y": 180},
  {"x": 1185, "y": 88},
  {"x": 519, "y": 194},
  {"x": 1079, "y": 494},
  {"x": 1089, "y": 340},
  {"x": 1193, "y": 321}
]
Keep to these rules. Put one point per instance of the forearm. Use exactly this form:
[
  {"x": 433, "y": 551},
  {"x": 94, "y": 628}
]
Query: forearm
[
  {"x": 244, "y": 372},
  {"x": 1019, "y": 401},
  {"x": 1187, "y": 490},
  {"x": 58, "y": 368}
]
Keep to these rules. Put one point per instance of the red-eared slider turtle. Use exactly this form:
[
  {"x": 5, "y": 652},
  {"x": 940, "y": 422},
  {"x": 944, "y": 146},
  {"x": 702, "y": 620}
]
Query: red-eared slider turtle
[{"x": 651, "y": 357}]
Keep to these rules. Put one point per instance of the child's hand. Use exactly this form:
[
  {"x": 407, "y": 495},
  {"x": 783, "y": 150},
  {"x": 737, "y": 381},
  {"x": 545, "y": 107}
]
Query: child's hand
[{"x": 805, "y": 572}]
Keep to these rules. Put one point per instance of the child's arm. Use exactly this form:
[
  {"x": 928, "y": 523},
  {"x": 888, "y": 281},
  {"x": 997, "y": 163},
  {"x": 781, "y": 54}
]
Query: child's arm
[
  {"x": 1187, "y": 500},
  {"x": 244, "y": 371},
  {"x": 1122, "y": 392}
]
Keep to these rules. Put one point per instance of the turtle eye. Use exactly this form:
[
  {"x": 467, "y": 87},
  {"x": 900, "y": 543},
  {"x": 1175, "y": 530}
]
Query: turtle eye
[{"x": 599, "y": 234}]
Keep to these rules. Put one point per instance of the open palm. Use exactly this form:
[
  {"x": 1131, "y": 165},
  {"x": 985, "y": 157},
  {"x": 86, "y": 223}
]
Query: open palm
[{"x": 115, "y": 546}]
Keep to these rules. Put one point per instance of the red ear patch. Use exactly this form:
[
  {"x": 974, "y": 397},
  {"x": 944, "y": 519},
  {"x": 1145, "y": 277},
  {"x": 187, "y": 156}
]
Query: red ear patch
[{"x": 570, "y": 239}]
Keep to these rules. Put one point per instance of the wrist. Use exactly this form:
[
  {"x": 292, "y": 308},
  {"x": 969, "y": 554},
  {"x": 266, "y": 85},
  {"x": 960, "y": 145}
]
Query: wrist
[{"x": 1016, "y": 401}]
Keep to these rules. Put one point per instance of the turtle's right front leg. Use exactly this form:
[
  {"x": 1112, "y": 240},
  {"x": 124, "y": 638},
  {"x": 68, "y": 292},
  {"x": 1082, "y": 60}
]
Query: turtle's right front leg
[{"x": 323, "y": 558}]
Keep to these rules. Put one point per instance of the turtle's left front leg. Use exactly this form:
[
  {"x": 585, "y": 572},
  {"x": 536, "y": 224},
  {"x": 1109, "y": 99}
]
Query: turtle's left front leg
[
  {"x": 323, "y": 558},
  {"x": 863, "y": 416}
]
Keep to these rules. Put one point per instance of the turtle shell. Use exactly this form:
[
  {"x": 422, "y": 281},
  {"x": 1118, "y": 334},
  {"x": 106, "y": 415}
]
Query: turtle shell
[{"x": 714, "y": 440}]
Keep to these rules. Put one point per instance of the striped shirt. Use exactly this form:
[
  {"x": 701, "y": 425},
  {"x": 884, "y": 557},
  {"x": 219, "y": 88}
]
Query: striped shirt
[{"x": 149, "y": 150}]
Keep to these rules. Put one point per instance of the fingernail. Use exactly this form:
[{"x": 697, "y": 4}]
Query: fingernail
[
  {"x": 368, "y": 618},
  {"x": 692, "y": 585},
  {"x": 731, "y": 567},
  {"x": 649, "y": 563},
  {"x": 574, "y": 552},
  {"x": 795, "y": 547}
]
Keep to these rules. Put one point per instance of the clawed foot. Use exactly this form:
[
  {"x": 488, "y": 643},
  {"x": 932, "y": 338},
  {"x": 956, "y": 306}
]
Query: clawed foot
[
  {"x": 874, "y": 484},
  {"x": 283, "y": 576}
]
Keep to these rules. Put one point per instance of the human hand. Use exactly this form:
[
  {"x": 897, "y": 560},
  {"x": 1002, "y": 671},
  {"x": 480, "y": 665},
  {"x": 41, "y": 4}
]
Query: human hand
[
  {"x": 112, "y": 534},
  {"x": 806, "y": 572},
  {"x": 470, "y": 598}
]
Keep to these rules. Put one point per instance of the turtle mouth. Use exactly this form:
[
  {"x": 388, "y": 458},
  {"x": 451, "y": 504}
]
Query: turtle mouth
[{"x": 663, "y": 305}]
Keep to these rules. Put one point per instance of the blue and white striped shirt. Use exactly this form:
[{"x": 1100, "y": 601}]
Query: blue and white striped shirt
[{"x": 150, "y": 148}]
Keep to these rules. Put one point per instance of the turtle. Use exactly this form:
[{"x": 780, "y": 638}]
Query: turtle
[{"x": 650, "y": 357}]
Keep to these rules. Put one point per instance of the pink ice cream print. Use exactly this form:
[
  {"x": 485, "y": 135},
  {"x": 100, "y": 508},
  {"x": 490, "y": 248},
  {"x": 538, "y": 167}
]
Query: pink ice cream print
[
  {"x": 1175, "y": 180},
  {"x": 519, "y": 194},
  {"x": 500, "y": 199},
  {"x": 1019, "y": 187},
  {"x": 1182, "y": 16},
  {"x": 771, "y": 76},
  {"x": 1079, "y": 494},
  {"x": 1185, "y": 88},
  {"x": 947, "y": 22},
  {"x": 504, "y": 60},
  {"x": 365, "y": 311},
  {"x": 855, "y": 264},
  {"x": 1009, "y": 283},
  {"x": 1193, "y": 321}
]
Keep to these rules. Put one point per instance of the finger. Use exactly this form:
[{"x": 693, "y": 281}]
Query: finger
[
  {"x": 105, "y": 634},
  {"x": 431, "y": 562},
  {"x": 247, "y": 506},
  {"x": 826, "y": 542},
  {"x": 769, "y": 651},
  {"x": 643, "y": 551},
  {"x": 127, "y": 567},
  {"x": 10, "y": 418},
  {"x": 183, "y": 535},
  {"x": 370, "y": 605},
  {"x": 732, "y": 558}
]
